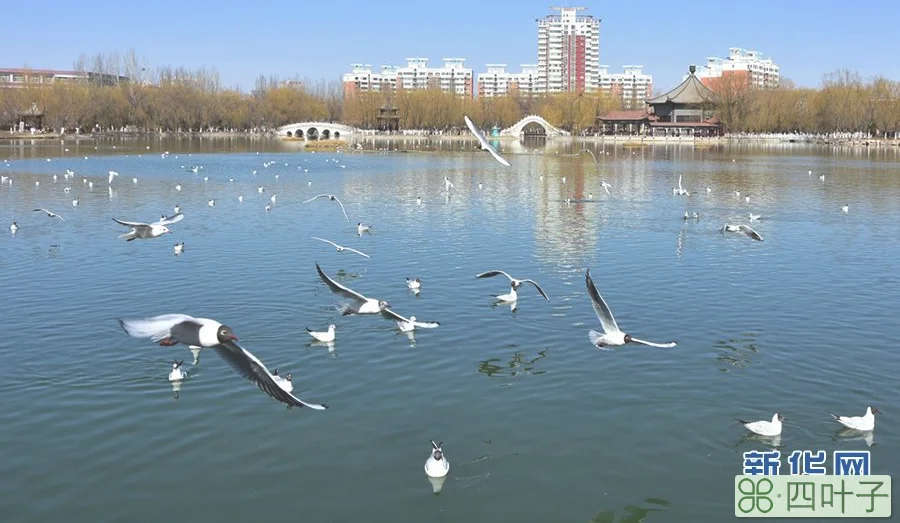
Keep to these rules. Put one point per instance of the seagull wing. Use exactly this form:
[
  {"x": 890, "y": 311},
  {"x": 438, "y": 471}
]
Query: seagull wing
[
  {"x": 668, "y": 345},
  {"x": 481, "y": 139},
  {"x": 391, "y": 315},
  {"x": 489, "y": 274},
  {"x": 175, "y": 218},
  {"x": 680, "y": 188},
  {"x": 497, "y": 156},
  {"x": 746, "y": 229},
  {"x": 606, "y": 188},
  {"x": 427, "y": 324},
  {"x": 136, "y": 225},
  {"x": 600, "y": 306},
  {"x": 317, "y": 197},
  {"x": 250, "y": 367},
  {"x": 155, "y": 328},
  {"x": 351, "y": 249},
  {"x": 342, "y": 208},
  {"x": 589, "y": 152},
  {"x": 484, "y": 143},
  {"x": 326, "y": 241},
  {"x": 337, "y": 288},
  {"x": 539, "y": 289}
]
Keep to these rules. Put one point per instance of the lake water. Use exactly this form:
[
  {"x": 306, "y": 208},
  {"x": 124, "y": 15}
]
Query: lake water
[{"x": 538, "y": 425}]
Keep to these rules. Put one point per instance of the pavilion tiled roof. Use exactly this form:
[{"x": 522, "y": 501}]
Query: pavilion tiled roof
[
  {"x": 620, "y": 116},
  {"x": 690, "y": 91}
]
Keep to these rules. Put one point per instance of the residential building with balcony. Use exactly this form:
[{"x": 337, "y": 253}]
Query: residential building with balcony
[
  {"x": 452, "y": 77},
  {"x": 568, "y": 51},
  {"x": 21, "y": 77},
  {"x": 632, "y": 86},
  {"x": 743, "y": 68},
  {"x": 497, "y": 81}
]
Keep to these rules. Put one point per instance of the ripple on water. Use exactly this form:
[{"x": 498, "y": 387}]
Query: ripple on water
[{"x": 522, "y": 400}]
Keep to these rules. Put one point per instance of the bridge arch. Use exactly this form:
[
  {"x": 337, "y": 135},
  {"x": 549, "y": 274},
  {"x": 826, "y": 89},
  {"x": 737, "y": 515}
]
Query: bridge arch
[
  {"x": 316, "y": 130},
  {"x": 531, "y": 121}
]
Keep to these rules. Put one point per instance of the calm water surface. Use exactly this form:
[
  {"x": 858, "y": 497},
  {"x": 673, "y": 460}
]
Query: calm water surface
[{"x": 538, "y": 425}]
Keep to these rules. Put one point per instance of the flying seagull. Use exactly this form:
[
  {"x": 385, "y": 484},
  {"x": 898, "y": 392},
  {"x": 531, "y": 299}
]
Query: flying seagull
[
  {"x": 407, "y": 324},
  {"x": 764, "y": 428},
  {"x": 514, "y": 282},
  {"x": 680, "y": 191},
  {"x": 485, "y": 145},
  {"x": 860, "y": 423},
  {"x": 332, "y": 198},
  {"x": 171, "y": 329},
  {"x": 144, "y": 231},
  {"x": 365, "y": 305},
  {"x": 746, "y": 229},
  {"x": 50, "y": 214},
  {"x": 341, "y": 248},
  {"x": 612, "y": 336}
]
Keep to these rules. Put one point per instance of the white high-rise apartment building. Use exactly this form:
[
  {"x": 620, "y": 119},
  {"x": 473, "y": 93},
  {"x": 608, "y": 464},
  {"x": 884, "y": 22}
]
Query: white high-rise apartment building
[
  {"x": 632, "y": 85},
  {"x": 568, "y": 51},
  {"x": 742, "y": 65},
  {"x": 453, "y": 77},
  {"x": 497, "y": 81}
]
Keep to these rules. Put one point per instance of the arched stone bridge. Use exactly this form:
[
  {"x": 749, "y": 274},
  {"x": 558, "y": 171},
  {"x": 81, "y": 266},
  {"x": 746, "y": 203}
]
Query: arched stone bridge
[
  {"x": 316, "y": 130},
  {"x": 533, "y": 119}
]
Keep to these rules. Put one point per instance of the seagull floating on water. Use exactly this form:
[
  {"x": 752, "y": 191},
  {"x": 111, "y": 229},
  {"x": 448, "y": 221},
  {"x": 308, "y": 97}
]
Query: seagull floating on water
[
  {"x": 764, "y": 428},
  {"x": 341, "y": 248},
  {"x": 360, "y": 228},
  {"x": 75, "y": 202},
  {"x": 112, "y": 174},
  {"x": 211, "y": 202},
  {"x": 286, "y": 383},
  {"x": 179, "y": 248},
  {"x": 485, "y": 145},
  {"x": 171, "y": 329},
  {"x": 745, "y": 229},
  {"x": 437, "y": 465},
  {"x": 325, "y": 336},
  {"x": 612, "y": 336},
  {"x": 364, "y": 305},
  {"x": 332, "y": 198},
  {"x": 145, "y": 231},
  {"x": 514, "y": 283},
  {"x": 13, "y": 227},
  {"x": 177, "y": 373},
  {"x": 407, "y": 324},
  {"x": 845, "y": 208},
  {"x": 862, "y": 423},
  {"x": 50, "y": 214},
  {"x": 415, "y": 284}
]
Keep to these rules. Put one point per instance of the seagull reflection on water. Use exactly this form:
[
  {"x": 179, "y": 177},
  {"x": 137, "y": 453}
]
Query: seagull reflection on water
[
  {"x": 436, "y": 484},
  {"x": 327, "y": 344},
  {"x": 848, "y": 434},
  {"x": 772, "y": 441}
]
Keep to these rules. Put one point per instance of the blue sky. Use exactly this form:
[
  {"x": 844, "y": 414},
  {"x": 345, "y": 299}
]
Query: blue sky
[{"x": 318, "y": 40}]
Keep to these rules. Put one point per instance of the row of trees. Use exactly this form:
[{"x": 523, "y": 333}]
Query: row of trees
[
  {"x": 179, "y": 99},
  {"x": 845, "y": 103}
]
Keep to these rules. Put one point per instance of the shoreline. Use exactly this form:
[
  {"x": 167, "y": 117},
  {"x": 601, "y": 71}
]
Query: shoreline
[{"x": 626, "y": 141}]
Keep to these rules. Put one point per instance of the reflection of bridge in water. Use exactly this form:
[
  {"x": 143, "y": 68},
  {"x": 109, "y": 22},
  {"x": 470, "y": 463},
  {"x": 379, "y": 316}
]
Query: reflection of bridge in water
[{"x": 316, "y": 130}]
